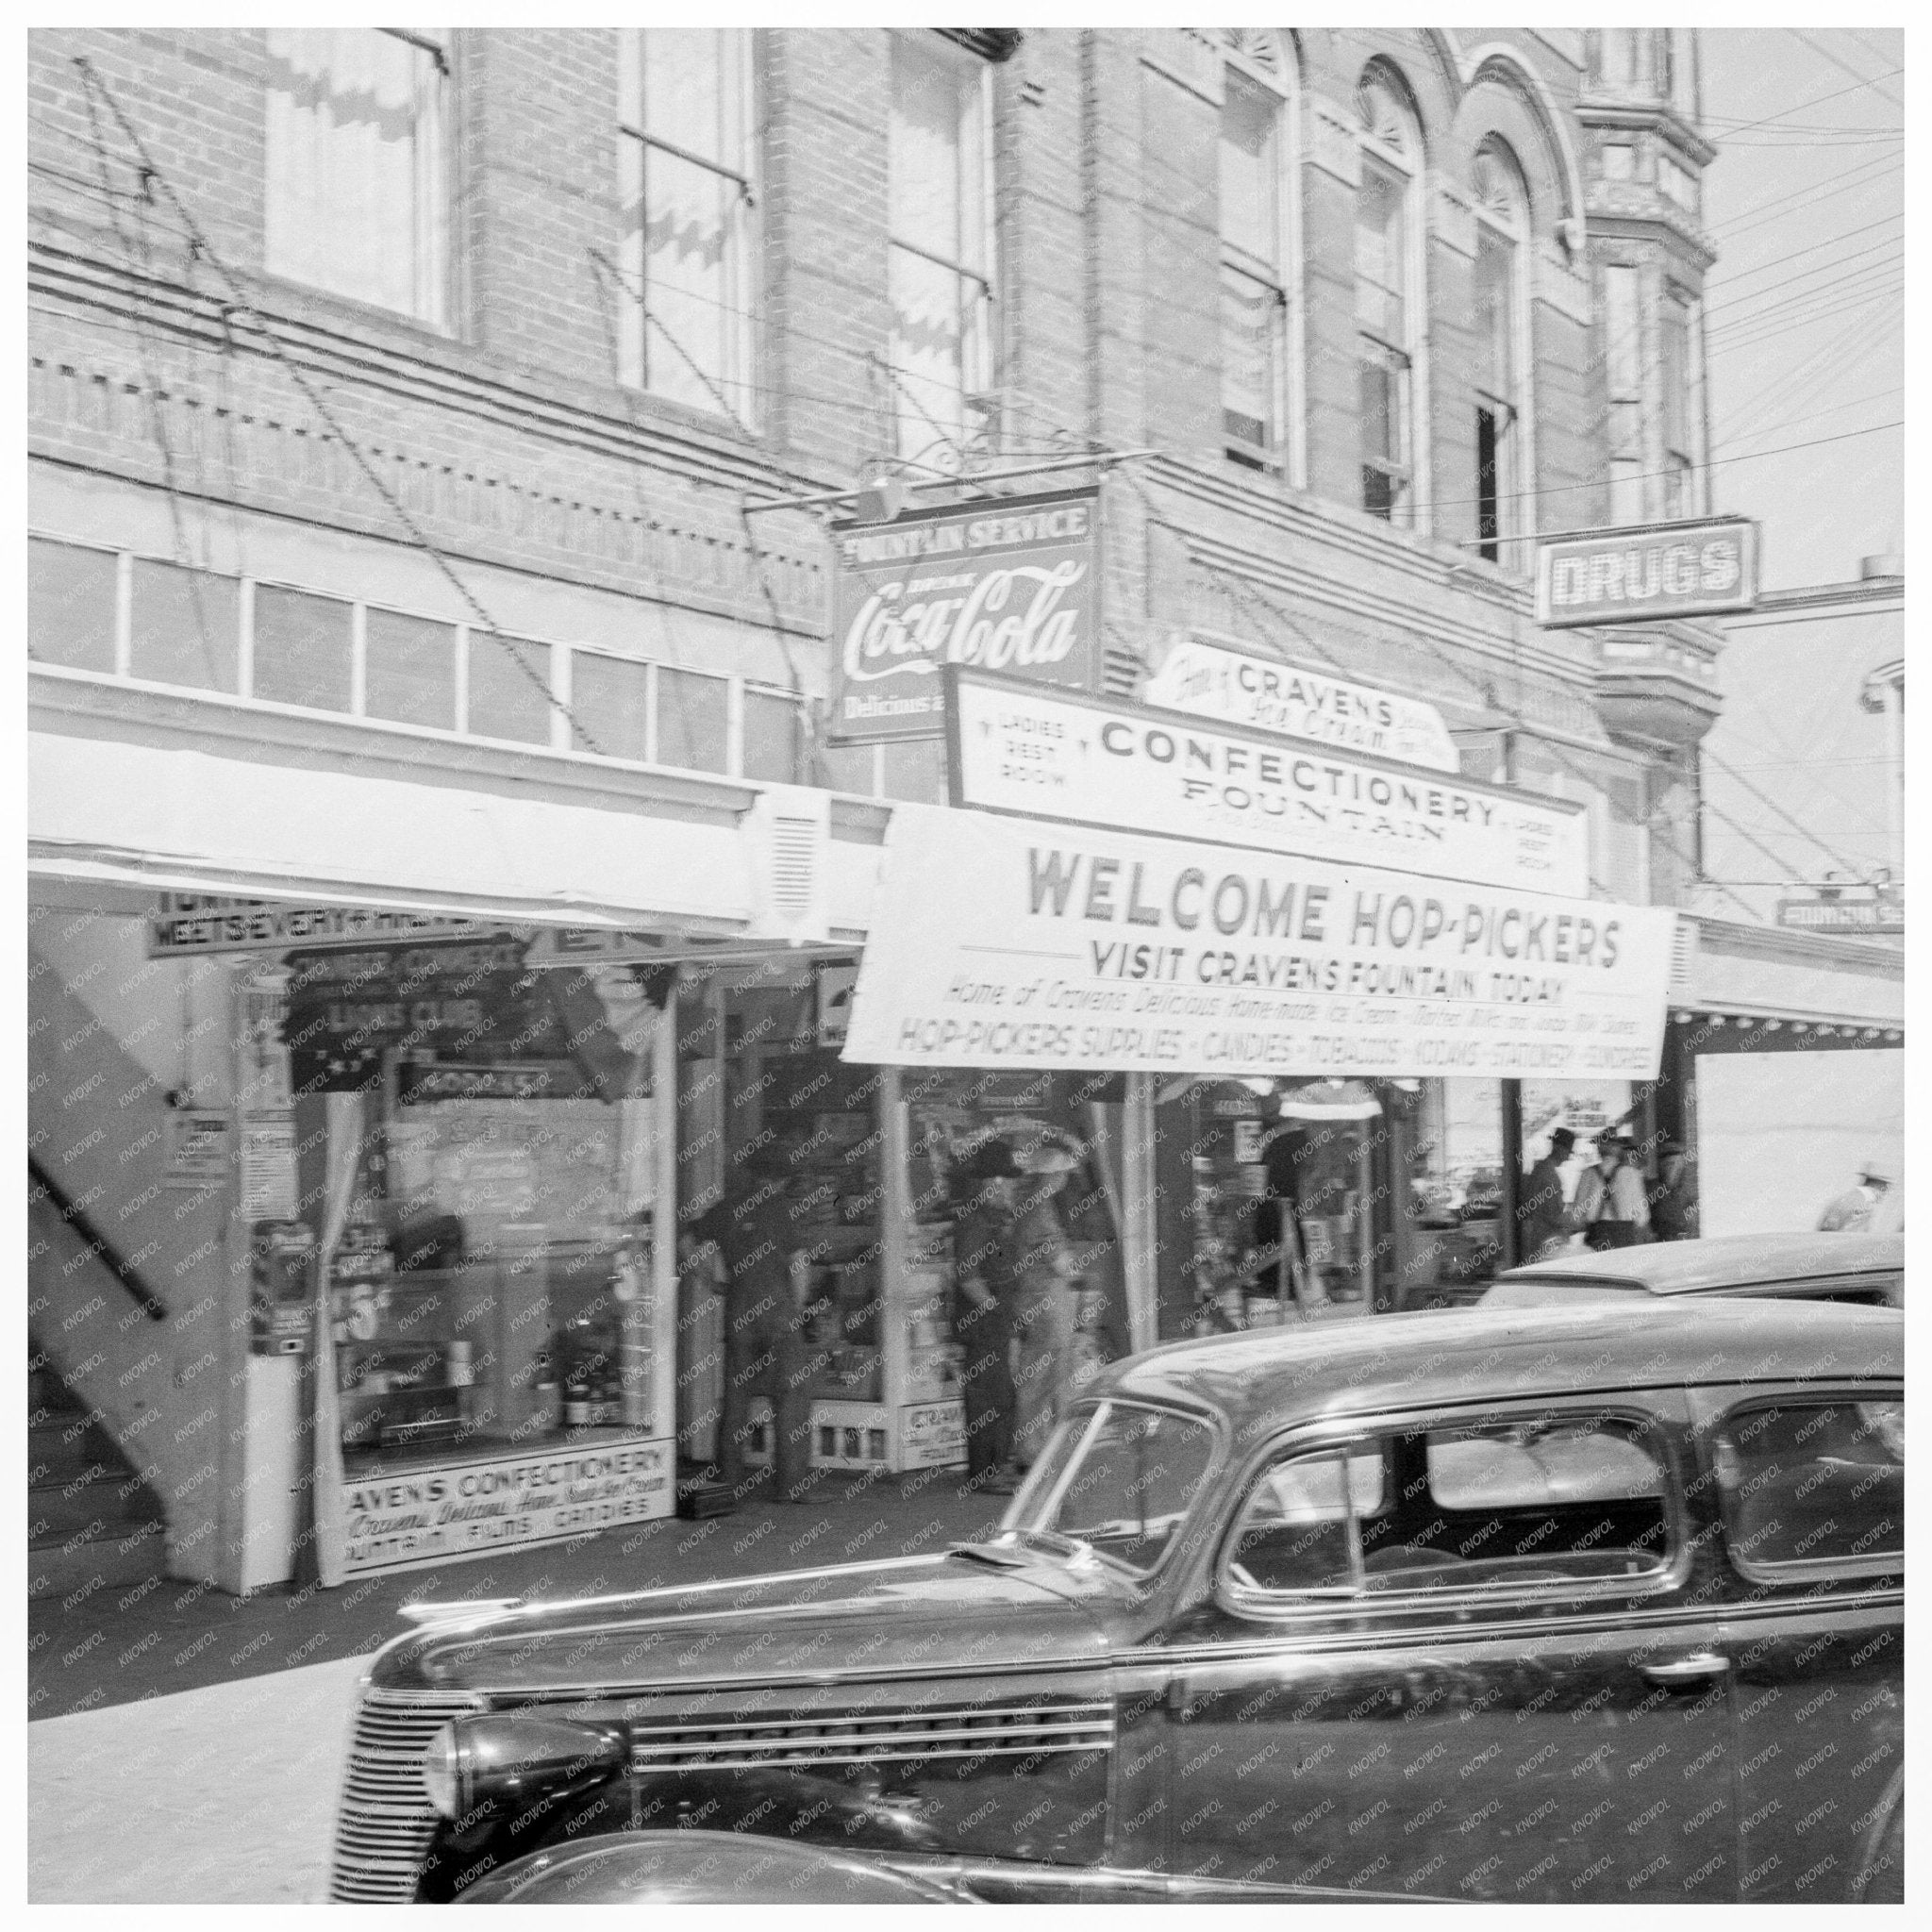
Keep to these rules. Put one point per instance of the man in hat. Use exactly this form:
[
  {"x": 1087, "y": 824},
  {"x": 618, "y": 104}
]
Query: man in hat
[
  {"x": 760, "y": 1233},
  {"x": 1673, "y": 1198},
  {"x": 1609, "y": 1207},
  {"x": 1278, "y": 1213},
  {"x": 1542, "y": 1229},
  {"x": 984, "y": 1243},
  {"x": 1853, "y": 1211}
]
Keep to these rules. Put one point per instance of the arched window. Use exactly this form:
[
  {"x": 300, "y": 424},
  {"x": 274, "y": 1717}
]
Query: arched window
[
  {"x": 1260, "y": 277},
  {"x": 1503, "y": 475},
  {"x": 1388, "y": 298}
]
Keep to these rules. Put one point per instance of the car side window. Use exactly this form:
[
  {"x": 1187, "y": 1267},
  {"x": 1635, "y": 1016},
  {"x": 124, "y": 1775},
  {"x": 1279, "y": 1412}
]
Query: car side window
[
  {"x": 1809, "y": 1481},
  {"x": 1301, "y": 1526},
  {"x": 1496, "y": 1505}
]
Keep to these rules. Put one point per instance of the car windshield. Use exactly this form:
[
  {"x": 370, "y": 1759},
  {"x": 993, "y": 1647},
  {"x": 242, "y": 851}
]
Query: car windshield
[{"x": 1118, "y": 1480}]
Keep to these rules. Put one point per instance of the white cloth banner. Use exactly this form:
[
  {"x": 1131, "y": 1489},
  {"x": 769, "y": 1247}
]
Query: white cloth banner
[{"x": 1005, "y": 942}]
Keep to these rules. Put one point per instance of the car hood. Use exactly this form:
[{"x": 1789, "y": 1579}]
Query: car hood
[{"x": 936, "y": 1616}]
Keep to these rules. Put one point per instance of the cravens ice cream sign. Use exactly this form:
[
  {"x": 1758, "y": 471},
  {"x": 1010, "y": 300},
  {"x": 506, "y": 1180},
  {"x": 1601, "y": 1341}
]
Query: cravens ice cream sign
[{"x": 1009, "y": 586}]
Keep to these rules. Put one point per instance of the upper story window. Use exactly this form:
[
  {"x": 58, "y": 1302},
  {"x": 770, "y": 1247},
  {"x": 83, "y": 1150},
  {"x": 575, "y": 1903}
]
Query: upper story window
[
  {"x": 1619, "y": 56},
  {"x": 1677, "y": 183},
  {"x": 357, "y": 192},
  {"x": 1623, "y": 352},
  {"x": 1386, "y": 283},
  {"x": 1678, "y": 412},
  {"x": 686, "y": 204},
  {"x": 1676, "y": 78},
  {"x": 940, "y": 247},
  {"x": 1502, "y": 330},
  {"x": 1260, "y": 271}
]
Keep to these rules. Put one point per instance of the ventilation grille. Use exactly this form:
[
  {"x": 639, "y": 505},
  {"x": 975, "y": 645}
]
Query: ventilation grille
[
  {"x": 794, "y": 865},
  {"x": 385, "y": 1824},
  {"x": 899, "y": 1737},
  {"x": 1683, "y": 956},
  {"x": 1121, "y": 671}
]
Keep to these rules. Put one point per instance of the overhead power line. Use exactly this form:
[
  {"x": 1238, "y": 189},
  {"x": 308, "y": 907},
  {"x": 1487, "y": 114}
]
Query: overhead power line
[{"x": 1818, "y": 46}]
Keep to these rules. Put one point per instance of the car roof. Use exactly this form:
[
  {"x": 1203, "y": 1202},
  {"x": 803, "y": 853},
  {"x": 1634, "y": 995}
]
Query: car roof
[
  {"x": 1725, "y": 1260},
  {"x": 1349, "y": 1366}
]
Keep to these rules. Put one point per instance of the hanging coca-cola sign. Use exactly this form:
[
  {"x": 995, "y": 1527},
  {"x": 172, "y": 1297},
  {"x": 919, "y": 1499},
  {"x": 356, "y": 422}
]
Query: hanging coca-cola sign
[{"x": 1010, "y": 585}]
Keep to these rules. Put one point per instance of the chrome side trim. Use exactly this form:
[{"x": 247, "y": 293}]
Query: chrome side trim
[{"x": 968, "y": 1733}]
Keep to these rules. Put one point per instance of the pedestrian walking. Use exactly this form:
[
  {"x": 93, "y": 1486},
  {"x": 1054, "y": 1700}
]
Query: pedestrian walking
[
  {"x": 1611, "y": 1210},
  {"x": 1543, "y": 1227},
  {"x": 983, "y": 1263},
  {"x": 1674, "y": 1196},
  {"x": 1852, "y": 1212}
]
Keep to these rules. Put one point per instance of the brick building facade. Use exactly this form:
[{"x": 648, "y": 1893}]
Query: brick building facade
[{"x": 421, "y": 413}]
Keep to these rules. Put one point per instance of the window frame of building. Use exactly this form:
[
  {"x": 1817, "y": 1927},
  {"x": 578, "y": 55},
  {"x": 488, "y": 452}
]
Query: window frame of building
[
  {"x": 919, "y": 435},
  {"x": 1616, "y": 56},
  {"x": 652, "y": 355},
  {"x": 561, "y": 657},
  {"x": 1506, "y": 475},
  {"x": 1676, "y": 403},
  {"x": 289, "y": 231},
  {"x": 1390, "y": 141},
  {"x": 1623, "y": 363},
  {"x": 1263, "y": 63}
]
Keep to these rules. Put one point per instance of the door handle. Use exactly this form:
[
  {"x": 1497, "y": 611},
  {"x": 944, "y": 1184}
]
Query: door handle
[{"x": 1694, "y": 1669}]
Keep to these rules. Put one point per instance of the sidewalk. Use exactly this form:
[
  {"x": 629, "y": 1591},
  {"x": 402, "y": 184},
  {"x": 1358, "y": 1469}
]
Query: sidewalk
[
  {"x": 218, "y": 1796},
  {"x": 122, "y": 1646}
]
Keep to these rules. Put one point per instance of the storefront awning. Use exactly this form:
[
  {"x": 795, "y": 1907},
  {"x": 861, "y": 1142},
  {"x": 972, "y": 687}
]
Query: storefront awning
[{"x": 160, "y": 820}]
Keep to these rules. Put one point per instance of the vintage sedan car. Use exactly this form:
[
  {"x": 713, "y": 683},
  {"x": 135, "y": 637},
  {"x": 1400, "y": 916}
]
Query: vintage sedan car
[
  {"x": 1868, "y": 1270},
  {"x": 1591, "y": 1603}
]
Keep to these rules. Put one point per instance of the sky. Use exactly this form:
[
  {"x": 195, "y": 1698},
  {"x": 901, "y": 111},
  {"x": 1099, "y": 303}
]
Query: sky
[{"x": 1805, "y": 205}]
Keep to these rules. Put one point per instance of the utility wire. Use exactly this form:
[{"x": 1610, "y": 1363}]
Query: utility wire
[
  {"x": 1764, "y": 798},
  {"x": 91, "y": 79},
  {"x": 1818, "y": 46}
]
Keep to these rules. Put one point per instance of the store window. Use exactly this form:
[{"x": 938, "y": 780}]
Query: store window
[
  {"x": 1258, "y": 268},
  {"x": 686, "y": 205},
  {"x": 509, "y": 688},
  {"x": 357, "y": 168},
  {"x": 475, "y": 1150},
  {"x": 938, "y": 272},
  {"x": 1504, "y": 505},
  {"x": 304, "y": 649},
  {"x": 1293, "y": 1199},
  {"x": 1387, "y": 313},
  {"x": 1622, "y": 353},
  {"x": 72, "y": 602},
  {"x": 409, "y": 670}
]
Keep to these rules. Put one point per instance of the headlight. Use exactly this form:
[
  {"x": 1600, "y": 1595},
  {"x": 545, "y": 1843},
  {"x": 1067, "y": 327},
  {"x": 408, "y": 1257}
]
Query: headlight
[
  {"x": 443, "y": 1772},
  {"x": 516, "y": 1754}
]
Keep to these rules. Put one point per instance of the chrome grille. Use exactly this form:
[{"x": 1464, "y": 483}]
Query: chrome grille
[
  {"x": 898, "y": 1737},
  {"x": 385, "y": 1824}
]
